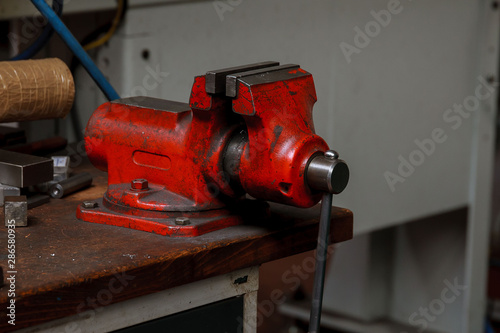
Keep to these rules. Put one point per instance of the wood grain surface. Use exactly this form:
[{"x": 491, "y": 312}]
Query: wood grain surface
[{"x": 65, "y": 266}]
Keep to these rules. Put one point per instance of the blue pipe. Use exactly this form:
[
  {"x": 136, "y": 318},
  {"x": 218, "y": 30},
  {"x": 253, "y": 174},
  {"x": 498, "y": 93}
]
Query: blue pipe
[
  {"x": 36, "y": 46},
  {"x": 76, "y": 48},
  {"x": 489, "y": 328}
]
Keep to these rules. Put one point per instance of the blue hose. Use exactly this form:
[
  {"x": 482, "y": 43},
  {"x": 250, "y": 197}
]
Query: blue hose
[
  {"x": 76, "y": 48},
  {"x": 32, "y": 50},
  {"x": 489, "y": 328}
]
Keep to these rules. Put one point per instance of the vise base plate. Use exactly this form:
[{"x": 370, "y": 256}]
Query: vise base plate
[{"x": 176, "y": 224}]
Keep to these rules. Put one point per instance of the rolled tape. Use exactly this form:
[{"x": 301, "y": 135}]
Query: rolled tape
[{"x": 35, "y": 89}]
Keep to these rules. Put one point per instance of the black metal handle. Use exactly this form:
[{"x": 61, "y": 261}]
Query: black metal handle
[{"x": 321, "y": 256}]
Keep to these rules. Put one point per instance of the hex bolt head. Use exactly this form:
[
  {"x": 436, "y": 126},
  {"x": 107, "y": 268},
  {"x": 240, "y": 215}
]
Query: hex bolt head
[
  {"x": 331, "y": 155},
  {"x": 182, "y": 221},
  {"x": 139, "y": 184},
  {"x": 89, "y": 204}
]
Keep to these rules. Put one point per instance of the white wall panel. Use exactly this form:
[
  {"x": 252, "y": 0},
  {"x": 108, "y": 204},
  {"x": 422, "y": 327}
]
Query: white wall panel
[{"x": 395, "y": 91}]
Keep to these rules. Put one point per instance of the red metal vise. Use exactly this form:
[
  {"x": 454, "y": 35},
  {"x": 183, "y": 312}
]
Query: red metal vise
[{"x": 183, "y": 170}]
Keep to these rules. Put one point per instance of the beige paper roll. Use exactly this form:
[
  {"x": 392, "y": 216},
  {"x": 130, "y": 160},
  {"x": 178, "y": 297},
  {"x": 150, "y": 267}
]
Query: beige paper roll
[{"x": 35, "y": 89}]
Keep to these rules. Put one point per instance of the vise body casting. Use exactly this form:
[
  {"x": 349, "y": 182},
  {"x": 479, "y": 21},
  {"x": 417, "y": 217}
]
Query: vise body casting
[{"x": 246, "y": 129}]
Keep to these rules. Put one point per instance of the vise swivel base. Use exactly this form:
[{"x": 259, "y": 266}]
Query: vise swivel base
[{"x": 184, "y": 169}]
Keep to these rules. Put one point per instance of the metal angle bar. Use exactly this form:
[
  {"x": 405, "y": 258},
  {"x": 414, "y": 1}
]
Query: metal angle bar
[
  {"x": 22, "y": 170},
  {"x": 37, "y": 200}
]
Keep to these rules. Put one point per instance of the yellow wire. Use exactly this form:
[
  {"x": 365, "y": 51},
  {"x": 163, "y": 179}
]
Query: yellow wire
[{"x": 111, "y": 31}]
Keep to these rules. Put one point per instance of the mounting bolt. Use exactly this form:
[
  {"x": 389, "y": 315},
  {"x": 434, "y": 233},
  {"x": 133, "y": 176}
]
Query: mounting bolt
[
  {"x": 182, "y": 221},
  {"x": 331, "y": 155},
  {"x": 139, "y": 184},
  {"x": 89, "y": 204}
]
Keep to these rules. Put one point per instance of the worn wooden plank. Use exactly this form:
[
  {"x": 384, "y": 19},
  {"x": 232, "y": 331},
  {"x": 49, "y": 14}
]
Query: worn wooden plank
[{"x": 66, "y": 266}]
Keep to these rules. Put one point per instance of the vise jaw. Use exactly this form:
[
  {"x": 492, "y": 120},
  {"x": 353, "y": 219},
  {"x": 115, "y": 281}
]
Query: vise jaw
[{"x": 246, "y": 129}]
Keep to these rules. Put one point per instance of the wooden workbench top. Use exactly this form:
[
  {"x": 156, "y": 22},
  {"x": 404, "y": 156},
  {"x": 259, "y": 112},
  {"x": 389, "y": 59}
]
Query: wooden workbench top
[{"x": 62, "y": 263}]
